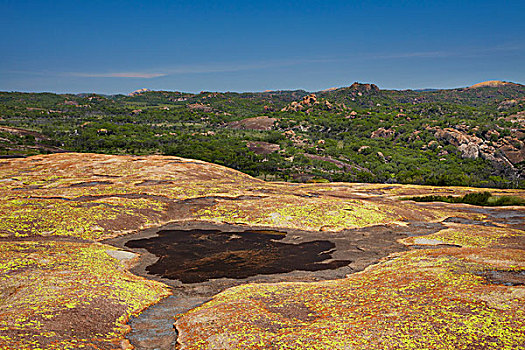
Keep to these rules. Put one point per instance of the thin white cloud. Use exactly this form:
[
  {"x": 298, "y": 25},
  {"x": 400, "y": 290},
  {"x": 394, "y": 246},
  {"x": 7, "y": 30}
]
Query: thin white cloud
[
  {"x": 198, "y": 69},
  {"x": 221, "y": 67},
  {"x": 119, "y": 75},
  {"x": 464, "y": 52},
  {"x": 422, "y": 54}
]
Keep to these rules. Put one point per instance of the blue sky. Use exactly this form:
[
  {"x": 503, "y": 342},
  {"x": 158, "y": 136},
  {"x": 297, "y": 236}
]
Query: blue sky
[{"x": 120, "y": 46}]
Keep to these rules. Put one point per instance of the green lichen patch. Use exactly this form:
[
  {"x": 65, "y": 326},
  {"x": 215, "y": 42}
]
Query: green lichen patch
[
  {"x": 302, "y": 213},
  {"x": 468, "y": 236},
  {"x": 62, "y": 295},
  {"x": 417, "y": 300},
  {"x": 50, "y": 284}
]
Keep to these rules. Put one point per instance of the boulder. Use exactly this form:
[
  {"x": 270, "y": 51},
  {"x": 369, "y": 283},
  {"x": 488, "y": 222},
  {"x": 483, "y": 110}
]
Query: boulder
[
  {"x": 138, "y": 92},
  {"x": 383, "y": 133},
  {"x": 293, "y": 107},
  {"x": 469, "y": 150},
  {"x": 260, "y": 147},
  {"x": 514, "y": 154},
  {"x": 309, "y": 100},
  {"x": 200, "y": 107},
  {"x": 255, "y": 123},
  {"x": 451, "y": 136},
  {"x": 364, "y": 87}
]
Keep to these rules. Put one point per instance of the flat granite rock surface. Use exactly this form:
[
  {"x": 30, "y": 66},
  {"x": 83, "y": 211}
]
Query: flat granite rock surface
[{"x": 107, "y": 252}]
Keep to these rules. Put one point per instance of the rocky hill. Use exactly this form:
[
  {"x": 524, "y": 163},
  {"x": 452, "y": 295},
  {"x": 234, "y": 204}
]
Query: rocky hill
[
  {"x": 138, "y": 92},
  {"x": 492, "y": 83},
  {"x": 466, "y": 136}
]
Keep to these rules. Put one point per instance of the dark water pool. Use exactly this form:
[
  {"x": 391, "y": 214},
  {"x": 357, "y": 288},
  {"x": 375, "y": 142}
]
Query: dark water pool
[{"x": 193, "y": 256}]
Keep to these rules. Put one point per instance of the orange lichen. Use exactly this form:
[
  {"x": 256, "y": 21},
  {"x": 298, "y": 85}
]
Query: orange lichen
[
  {"x": 44, "y": 282},
  {"x": 421, "y": 299},
  {"x": 54, "y": 207}
]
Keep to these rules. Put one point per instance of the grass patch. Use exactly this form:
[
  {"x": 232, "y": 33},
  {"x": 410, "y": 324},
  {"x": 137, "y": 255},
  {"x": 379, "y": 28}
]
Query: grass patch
[{"x": 477, "y": 198}]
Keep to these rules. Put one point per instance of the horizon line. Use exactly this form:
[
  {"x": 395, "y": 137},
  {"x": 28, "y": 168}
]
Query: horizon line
[{"x": 262, "y": 91}]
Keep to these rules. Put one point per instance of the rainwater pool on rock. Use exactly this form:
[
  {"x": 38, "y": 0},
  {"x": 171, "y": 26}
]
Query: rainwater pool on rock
[{"x": 193, "y": 256}]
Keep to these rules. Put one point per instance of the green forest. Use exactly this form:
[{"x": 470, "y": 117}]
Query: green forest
[{"x": 359, "y": 133}]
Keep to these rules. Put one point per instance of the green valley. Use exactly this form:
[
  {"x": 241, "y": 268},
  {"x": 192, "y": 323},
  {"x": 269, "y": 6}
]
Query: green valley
[{"x": 468, "y": 136}]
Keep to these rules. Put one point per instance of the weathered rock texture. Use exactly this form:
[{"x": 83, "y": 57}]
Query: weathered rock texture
[
  {"x": 61, "y": 289},
  {"x": 255, "y": 123}
]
